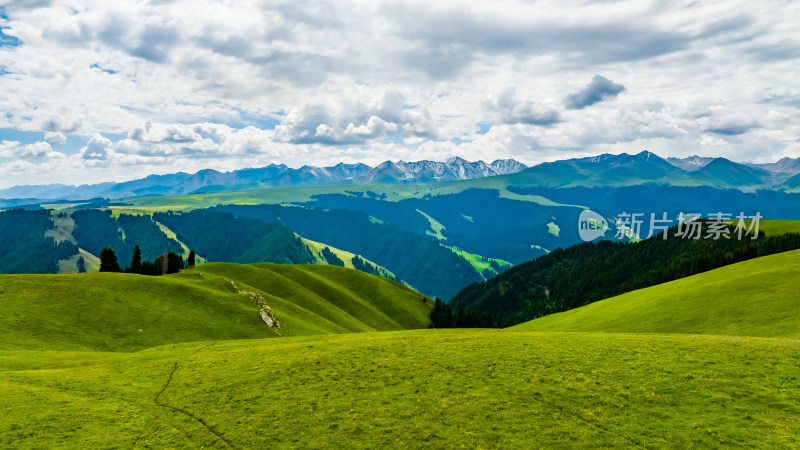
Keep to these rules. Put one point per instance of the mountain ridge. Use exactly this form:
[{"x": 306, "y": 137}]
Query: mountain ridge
[
  {"x": 646, "y": 167},
  {"x": 272, "y": 175},
  {"x": 695, "y": 162},
  {"x": 600, "y": 170}
]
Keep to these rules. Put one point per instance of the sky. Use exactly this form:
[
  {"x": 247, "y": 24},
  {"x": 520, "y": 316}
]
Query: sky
[{"x": 95, "y": 90}]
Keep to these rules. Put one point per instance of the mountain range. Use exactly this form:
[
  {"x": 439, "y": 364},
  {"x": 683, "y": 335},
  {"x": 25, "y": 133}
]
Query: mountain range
[
  {"x": 602, "y": 170},
  {"x": 784, "y": 165},
  {"x": 209, "y": 180},
  {"x": 646, "y": 167}
]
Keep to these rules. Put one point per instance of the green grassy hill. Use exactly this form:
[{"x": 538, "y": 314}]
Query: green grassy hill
[
  {"x": 759, "y": 297},
  {"x": 124, "y": 312},
  {"x": 774, "y": 227},
  {"x": 410, "y": 389}
]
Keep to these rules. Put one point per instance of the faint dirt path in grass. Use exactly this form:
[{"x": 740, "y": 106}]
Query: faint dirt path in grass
[
  {"x": 202, "y": 422},
  {"x": 589, "y": 422},
  {"x": 157, "y": 399},
  {"x": 158, "y": 404}
]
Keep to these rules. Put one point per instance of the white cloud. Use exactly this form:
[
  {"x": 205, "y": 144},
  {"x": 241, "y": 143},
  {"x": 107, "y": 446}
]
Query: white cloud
[
  {"x": 201, "y": 140},
  {"x": 55, "y": 137},
  {"x": 7, "y": 148},
  {"x": 34, "y": 152},
  {"x": 355, "y": 123},
  {"x": 511, "y": 110},
  {"x": 37, "y": 150},
  {"x": 96, "y": 149},
  {"x": 226, "y": 85}
]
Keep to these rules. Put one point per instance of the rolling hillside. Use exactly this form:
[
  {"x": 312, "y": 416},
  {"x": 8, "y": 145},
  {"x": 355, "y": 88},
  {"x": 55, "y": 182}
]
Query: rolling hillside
[
  {"x": 409, "y": 389},
  {"x": 224, "y": 238},
  {"x": 759, "y": 297},
  {"x": 124, "y": 312}
]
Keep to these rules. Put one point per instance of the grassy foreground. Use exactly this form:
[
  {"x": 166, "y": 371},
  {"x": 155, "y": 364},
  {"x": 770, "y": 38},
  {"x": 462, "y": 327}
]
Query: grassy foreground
[
  {"x": 125, "y": 361},
  {"x": 759, "y": 297},
  {"x": 427, "y": 388}
]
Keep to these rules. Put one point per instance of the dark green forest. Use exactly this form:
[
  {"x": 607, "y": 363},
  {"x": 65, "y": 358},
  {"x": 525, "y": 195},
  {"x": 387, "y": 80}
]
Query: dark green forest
[
  {"x": 222, "y": 237},
  {"x": 24, "y": 248},
  {"x": 572, "y": 277}
]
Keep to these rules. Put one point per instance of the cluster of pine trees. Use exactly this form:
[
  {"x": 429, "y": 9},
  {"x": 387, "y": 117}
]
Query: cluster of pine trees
[
  {"x": 358, "y": 263},
  {"x": 165, "y": 264},
  {"x": 331, "y": 257},
  {"x": 444, "y": 317}
]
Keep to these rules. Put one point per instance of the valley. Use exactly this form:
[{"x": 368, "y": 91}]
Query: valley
[{"x": 128, "y": 312}]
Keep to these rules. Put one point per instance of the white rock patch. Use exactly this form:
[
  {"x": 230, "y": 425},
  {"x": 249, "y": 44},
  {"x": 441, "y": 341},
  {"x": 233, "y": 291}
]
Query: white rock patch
[{"x": 266, "y": 313}]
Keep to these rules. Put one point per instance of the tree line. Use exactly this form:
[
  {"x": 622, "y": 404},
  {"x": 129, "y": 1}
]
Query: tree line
[{"x": 165, "y": 264}]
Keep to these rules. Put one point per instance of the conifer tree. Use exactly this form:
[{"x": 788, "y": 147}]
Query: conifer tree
[
  {"x": 136, "y": 261},
  {"x": 174, "y": 263},
  {"x": 108, "y": 260}
]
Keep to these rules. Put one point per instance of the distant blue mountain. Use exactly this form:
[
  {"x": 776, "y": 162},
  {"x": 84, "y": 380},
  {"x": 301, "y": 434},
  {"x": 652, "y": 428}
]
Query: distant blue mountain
[
  {"x": 646, "y": 167},
  {"x": 210, "y": 180},
  {"x": 602, "y": 170}
]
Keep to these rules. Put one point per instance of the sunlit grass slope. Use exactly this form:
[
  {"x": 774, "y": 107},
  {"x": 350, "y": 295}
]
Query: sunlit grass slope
[
  {"x": 410, "y": 389},
  {"x": 347, "y": 257},
  {"x": 759, "y": 297},
  {"x": 774, "y": 227},
  {"x": 123, "y": 312}
]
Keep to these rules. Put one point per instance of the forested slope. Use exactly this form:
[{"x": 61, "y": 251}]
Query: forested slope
[{"x": 579, "y": 275}]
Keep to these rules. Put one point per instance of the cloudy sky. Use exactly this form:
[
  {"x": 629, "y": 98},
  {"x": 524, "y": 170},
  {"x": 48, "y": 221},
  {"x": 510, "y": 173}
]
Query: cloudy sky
[{"x": 96, "y": 90}]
